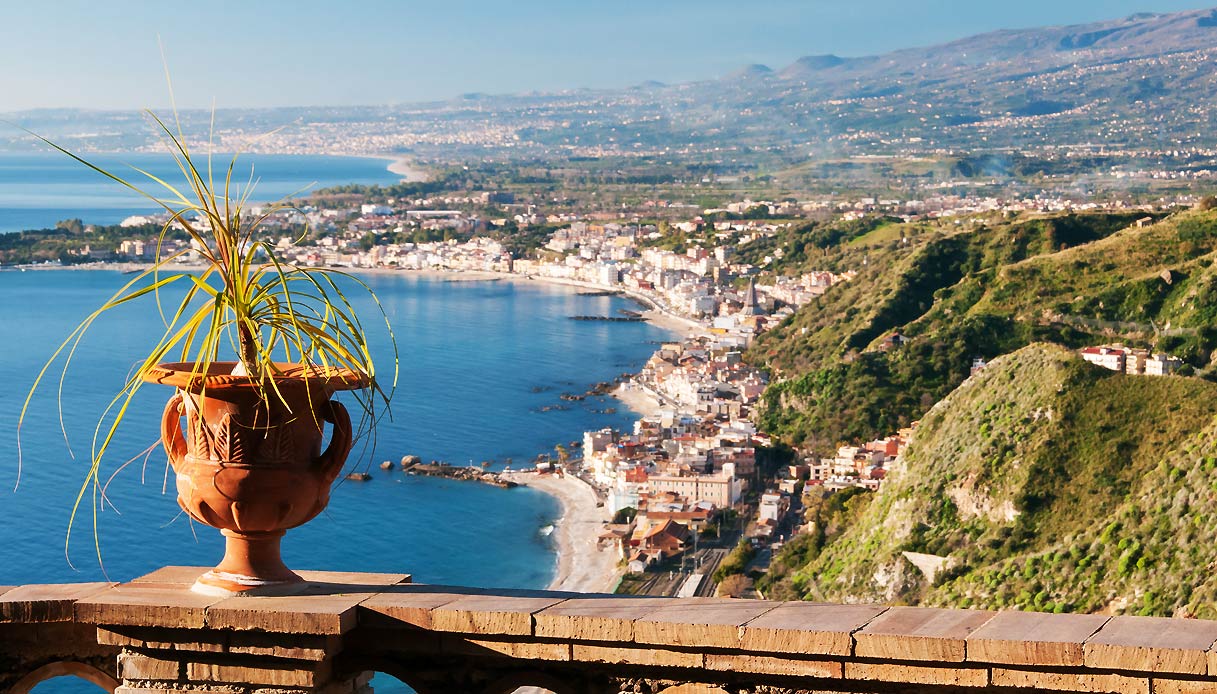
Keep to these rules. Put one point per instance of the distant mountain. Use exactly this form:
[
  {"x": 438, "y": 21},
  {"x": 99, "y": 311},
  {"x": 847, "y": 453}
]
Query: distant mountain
[
  {"x": 753, "y": 71},
  {"x": 1136, "y": 86}
]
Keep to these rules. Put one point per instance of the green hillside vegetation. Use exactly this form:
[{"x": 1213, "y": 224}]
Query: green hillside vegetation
[
  {"x": 1047, "y": 483},
  {"x": 979, "y": 288}
]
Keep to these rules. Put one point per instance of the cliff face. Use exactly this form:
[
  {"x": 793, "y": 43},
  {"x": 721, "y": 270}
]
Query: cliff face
[{"x": 1043, "y": 483}]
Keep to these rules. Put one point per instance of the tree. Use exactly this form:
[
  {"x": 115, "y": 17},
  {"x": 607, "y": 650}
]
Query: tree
[
  {"x": 734, "y": 586},
  {"x": 625, "y": 515},
  {"x": 563, "y": 455},
  {"x": 368, "y": 241},
  {"x": 1208, "y": 202}
]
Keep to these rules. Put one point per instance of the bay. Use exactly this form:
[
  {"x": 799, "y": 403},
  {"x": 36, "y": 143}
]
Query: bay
[
  {"x": 39, "y": 189},
  {"x": 478, "y": 362}
]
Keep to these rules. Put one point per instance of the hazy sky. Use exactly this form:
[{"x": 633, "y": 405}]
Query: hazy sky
[{"x": 103, "y": 54}]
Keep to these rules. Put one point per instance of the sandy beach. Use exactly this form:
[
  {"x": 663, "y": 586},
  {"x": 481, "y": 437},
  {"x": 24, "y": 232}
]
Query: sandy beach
[
  {"x": 404, "y": 168},
  {"x": 582, "y": 565},
  {"x": 639, "y": 400}
]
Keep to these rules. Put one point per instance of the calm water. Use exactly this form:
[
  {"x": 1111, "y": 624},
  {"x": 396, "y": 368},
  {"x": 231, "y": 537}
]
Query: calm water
[
  {"x": 478, "y": 361},
  {"x": 38, "y": 190}
]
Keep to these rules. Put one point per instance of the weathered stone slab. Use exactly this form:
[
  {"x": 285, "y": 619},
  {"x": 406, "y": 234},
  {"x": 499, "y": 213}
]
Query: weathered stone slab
[
  {"x": 1169, "y": 685},
  {"x": 919, "y": 633},
  {"x": 45, "y": 602},
  {"x": 161, "y": 639},
  {"x": 352, "y": 578},
  {"x": 410, "y": 605},
  {"x": 1068, "y": 682},
  {"x": 263, "y": 671},
  {"x": 520, "y": 650},
  {"x": 1033, "y": 638},
  {"x": 493, "y": 614},
  {"x": 770, "y": 665},
  {"x": 298, "y": 647},
  {"x": 173, "y": 575},
  {"x": 699, "y": 622},
  {"x": 1157, "y": 644},
  {"x": 915, "y": 674},
  {"x": 808, "y": 628},
  {"x": 652, "y": 657},
  {"x": 318, "y": 608},
  {"x": 133, "y": 666},
  {"x": 179, "y": 688},
  {"x": 596, "y": 619},
  {"x": 146, "y": 604}
]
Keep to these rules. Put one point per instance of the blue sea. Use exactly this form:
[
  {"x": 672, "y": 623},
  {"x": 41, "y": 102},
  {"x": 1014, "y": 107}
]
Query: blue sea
[
  {"x": 38, "y": 190},
  {"x": 478, "y": 362}
]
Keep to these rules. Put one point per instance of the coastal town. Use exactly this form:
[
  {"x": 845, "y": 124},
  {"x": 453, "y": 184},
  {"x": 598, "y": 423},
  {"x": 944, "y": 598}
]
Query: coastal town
[
  {"x": 693, "y": 493},
  {"x": 695, "y": 499}
]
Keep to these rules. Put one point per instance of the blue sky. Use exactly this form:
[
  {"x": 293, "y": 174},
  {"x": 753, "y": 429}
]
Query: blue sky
[{"x": 302, "y": 52}]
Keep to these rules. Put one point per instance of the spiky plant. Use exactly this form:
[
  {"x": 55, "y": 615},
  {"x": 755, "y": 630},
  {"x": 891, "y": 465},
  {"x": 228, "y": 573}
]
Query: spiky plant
[{"x": 240, "y": 301}]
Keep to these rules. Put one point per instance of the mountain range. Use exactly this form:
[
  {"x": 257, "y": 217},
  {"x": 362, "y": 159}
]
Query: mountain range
[{"x": 1141, "y": 86}]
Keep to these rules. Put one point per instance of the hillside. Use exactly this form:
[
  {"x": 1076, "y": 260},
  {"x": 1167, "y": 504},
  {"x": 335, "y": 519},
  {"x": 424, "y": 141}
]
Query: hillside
[
  {"x": 1047, "y": 484},
  {"x": 978, "y": 291}
]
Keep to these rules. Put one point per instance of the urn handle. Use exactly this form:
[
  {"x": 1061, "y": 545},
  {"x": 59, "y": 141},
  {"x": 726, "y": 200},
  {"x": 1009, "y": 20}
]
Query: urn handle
[
  {"x": 335, "y": 454},
  {"x": 171, "y": 429}
]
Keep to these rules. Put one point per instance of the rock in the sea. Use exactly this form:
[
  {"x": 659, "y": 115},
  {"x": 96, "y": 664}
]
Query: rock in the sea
[
  {"x": 410, "y": 460},
  {"x": 387, "y": 465},
  {"x": 359, "y": 477}
]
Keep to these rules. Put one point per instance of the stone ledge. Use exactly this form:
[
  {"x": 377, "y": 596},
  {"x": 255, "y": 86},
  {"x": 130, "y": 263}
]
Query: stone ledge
[
  {"x": 326, "y": 604},
  {"x": 52, "y": 602},
  {"x": 1069, "y": 682},
  {"x": 917, "y": 674},
  {"x": 807, "y": 628},
  {"x": 919, "y": 633},
  {"x": 217, "y": 640},
  {"x": 596, "y": 618},
  {"x": 503, "y": 615},
  {"x": 699, "y": 622},
  {"x": 1155, "y": 644},
  {"x": 1031, "y": 638}
]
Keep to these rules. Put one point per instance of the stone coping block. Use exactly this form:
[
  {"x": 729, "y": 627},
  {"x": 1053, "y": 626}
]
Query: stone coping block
[
  {"x": 919, "y": 633},
  {"x": 504, "y": 613},
  {"x": 700, "y": 622},
  {"x": 1071, "y": 682},
  {"x": 325, "y": 605},
  {"x": 917, "y": 674},
  {"x": 1156, "y": 644},
  {"x": 597, "y": 618},
  {"x": 51, "y": 602},
  {"x": 385, "y": 613},
  {"x": 807, "y": 628},
  {"x": 147, "y": 604},
  {"x": 1033, "y": 638},
  {"x": 410, "y": 605}
]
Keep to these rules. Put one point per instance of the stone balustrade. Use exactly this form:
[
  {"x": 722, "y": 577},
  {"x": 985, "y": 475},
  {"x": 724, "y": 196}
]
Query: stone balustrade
[{"x": 154, "y": 636}]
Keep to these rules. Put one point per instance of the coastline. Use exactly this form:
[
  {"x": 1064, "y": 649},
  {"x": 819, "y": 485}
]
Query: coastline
[
  {"x": 583, "y": 566},
  {"x": 399, "y": 166}
]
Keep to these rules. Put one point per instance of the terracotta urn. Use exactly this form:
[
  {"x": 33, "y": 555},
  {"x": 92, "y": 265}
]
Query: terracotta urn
[{"x": 249, "y": 461}]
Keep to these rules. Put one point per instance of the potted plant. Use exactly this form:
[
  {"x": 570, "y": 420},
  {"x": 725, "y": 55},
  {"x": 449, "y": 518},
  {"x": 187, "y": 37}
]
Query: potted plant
[{"x": 260, "y": 345}]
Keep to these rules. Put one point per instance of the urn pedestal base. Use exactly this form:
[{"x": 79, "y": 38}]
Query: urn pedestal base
[{"x": 251, "y": 567}]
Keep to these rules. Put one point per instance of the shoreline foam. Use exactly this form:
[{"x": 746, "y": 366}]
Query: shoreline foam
[{"x": 583, "y": 566}]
